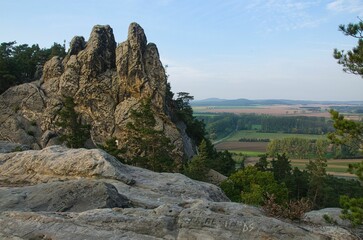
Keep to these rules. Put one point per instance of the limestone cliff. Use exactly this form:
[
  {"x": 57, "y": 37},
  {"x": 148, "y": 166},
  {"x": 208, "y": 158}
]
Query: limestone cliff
[{"x": 106, "y": 81}]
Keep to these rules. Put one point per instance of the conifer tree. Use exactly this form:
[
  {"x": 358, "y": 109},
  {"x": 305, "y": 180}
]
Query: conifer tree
[
  {"x": 149, "y": 147},
  {"x": 197, "y": 168},
  {"x": 73, "y": 132}
]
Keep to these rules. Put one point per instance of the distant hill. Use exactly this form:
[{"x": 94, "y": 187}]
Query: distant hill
[{"x": 247, "y": 102}]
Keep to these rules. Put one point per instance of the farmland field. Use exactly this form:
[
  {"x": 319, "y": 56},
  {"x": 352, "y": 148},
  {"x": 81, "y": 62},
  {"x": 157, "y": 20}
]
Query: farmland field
[
  {"x": 231, "y": 142},
  {"x": 242, "y": 146},
  {"x": 337, "y": 167},
  {"x": 259, "y": 135},
  {"x": 275, "y": 110},
  {"x": 227, "y": 131}
]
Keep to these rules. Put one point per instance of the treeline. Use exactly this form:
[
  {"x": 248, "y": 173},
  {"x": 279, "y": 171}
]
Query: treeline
[
  {"x": 23, "y": 63},
  {"x": 301, "y": 148},
  {"x": 254, "y": 140},
  {"x": 220, "y": 125}
]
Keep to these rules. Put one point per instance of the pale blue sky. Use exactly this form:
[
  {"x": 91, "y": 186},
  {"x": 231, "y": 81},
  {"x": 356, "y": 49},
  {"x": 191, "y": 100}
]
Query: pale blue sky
[{"x": 272, "y": 49}]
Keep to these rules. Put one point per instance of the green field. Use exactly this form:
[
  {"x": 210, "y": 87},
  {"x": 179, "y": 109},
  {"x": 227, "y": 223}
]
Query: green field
[
  {"x": 253, "y": 134},
  {"x": 247, "y": 153}
]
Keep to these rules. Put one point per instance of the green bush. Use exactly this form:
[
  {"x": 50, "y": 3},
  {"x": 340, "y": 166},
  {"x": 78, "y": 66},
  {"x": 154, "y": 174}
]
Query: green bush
[{"x": 251, "y": 186}]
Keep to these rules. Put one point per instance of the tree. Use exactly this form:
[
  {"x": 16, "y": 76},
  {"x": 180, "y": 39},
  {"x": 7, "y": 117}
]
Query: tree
[
  {"x": 317, "y": 170},
  {"x": 197, "y": 168},
  {"x": 251, "y": 186},
  {"x": 149, "y": 147},
  {"x": 281, "y": 168},
  {"x": 348, "y": 132},
  {"x": 223, "y": 163},
  {"x": 352, "y": 61},
  {"x": 73, "y": 132},
  {"x": 18, "y": 63},
  {"x": 195, "y": 128},
  {"x": 262, "y": 164}
]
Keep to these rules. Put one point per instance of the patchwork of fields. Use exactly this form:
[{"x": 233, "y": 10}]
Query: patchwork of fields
[{"x": 252, "y": 149}]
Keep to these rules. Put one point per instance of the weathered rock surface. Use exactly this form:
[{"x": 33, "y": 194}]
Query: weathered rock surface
[
  {"x": 60, "y": 193},
  {"x": 106, "y": 81},
  {"x": 317, "y": 217},
  {"x": 7, "y": 147}
]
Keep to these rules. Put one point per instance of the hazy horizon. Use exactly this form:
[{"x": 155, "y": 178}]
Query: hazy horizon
[
  {"x": 275, "y": 49},
  {"x": 276, "y": 99}
]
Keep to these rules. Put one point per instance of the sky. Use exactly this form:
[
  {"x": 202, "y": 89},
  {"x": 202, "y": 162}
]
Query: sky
[{"x": 271, "y": 49}]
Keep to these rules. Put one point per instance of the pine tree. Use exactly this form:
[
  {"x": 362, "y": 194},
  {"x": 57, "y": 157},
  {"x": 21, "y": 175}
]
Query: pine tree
[
  {"x": 197, "y": 168},
  {"x": 73, "y": 132},
  {"x": 149, "y": 147}
]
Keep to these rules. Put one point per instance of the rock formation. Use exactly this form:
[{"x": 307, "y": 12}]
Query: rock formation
[
  {"x": 106, "y": 81},
  {"x": 60, "y": 193}
]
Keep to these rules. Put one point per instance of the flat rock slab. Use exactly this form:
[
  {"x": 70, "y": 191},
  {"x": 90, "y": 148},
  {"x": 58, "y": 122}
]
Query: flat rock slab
[{"x": 60, "y": 193}]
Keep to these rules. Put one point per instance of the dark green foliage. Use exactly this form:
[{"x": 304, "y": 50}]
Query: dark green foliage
[
  {"x": 252, "y": 187},
  {"x": 281, "y": 168},
  {"x": 335, "y": 187},
  {"x": 295, "y": 180},
  {"x": 323, "y": 190},
  {"x": 317, "y": 171},
  {"x": 298, "y": 184},
  {"x": 73, "y": 132},
  {"x": 352, "y": 209},
  {"x": 352, "y": 61},
  {"x": 348, "y": 134},
  {"x": 18, "y": 63},
  {"x": 197, "y": 168},
  {"x": 195, "y": 128},
  {"x": 262, "y": 164},
  {"x": 148, "y": 147},
  {"x": 223, "y": 163},
  {"x": 209, "y": 158},
  {"x": 111, "y": 148}
]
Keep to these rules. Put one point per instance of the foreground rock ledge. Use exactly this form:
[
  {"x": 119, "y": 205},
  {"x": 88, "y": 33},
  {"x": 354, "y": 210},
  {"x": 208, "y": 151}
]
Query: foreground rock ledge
[{"x": 60, "y": 193}]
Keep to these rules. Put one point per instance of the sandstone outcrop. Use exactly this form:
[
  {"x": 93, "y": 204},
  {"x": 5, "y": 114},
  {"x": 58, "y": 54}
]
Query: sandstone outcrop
[
  {"x": 106, "y": 81},
  {"x": 60, "y": 193}
]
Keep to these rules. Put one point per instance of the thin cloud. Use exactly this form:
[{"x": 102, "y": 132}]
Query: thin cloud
[
  {"x": 286, "y": 15},
  {"x": 349, "y": 6}
]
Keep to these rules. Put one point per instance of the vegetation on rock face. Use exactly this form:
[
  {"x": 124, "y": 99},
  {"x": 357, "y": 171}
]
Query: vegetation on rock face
[
  {"x": 73, "y": 132},
  {"x": 150, "y": 148},
  {"x": 111, "y": 148},
  {"x": 195, "y": 128},
  {"x": 23, "y": 63},
  {"x": 208, "y": 158},
  {"x": 197, "y": 167}
]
